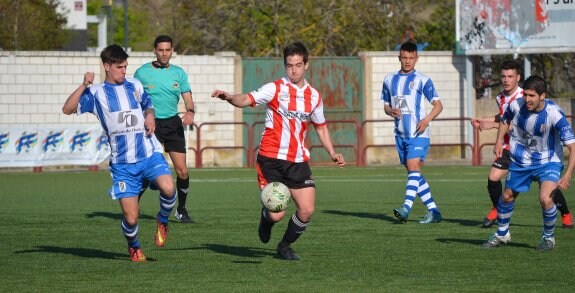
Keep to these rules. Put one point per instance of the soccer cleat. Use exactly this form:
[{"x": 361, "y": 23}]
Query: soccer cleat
[
  {"x": 401, "y": 214},
  {"x": 432, "y": 216},
  {"x": 546, "y": 243},
  {"x": 497, "y": 241},
  {"x": 491, "y": 218},
  {"x": 161, "y": 234},
  {"x": 265, "y": 228},
  {"x": 285, "y": 252},
  {"x": 567, "y": 221},
  {"x": 182, "y": 215},
  {"x": 136, "y": 254}
]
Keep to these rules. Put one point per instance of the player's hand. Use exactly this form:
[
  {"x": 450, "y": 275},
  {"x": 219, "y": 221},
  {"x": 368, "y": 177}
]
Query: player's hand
[
  {"x": 338, "y": 158},
  {"x": 498, "y": 149},
  {"x": 221, "y": 95},
  {"x": 188, "y": 118},
  {"x": 564, "y": 183},
  {"x": 395, "y": 113},
  {"x": 475, "y": 123},
  {"x": 88, "y": 78},
  {"x": 421, "y": 126}
]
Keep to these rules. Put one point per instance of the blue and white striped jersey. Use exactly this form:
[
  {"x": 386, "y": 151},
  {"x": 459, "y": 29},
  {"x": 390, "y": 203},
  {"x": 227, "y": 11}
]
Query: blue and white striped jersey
[
  {"x": 120, "y": 109},
  {"x": 408, "y": 92},
  {"x": 536, "y": 137}
]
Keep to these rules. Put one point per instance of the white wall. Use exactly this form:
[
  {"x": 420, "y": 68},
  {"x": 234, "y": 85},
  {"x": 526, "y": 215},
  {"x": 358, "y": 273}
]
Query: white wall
[{"x": 34, "y": 85}]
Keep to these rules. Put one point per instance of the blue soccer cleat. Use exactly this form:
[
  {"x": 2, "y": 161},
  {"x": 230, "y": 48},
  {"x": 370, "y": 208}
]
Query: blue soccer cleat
[
  {"x": 432, "y": 216},
  {"x": 401, "y": 214}
]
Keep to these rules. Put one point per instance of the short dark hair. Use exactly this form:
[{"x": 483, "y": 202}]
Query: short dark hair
[
  {"x": 113, "y": 54},
  {"x": 535, "y": 83},
  {"x": 510, "y": 65},
  {"x": 295, "y": 48},
  {"x": 162, "y": 39},
  {"x": 408, "y": 46}
]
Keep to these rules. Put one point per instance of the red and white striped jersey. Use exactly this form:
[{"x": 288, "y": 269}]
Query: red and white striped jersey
[
  {"x": 503, "y": 102},
  {"x": 289, "y": 111}
]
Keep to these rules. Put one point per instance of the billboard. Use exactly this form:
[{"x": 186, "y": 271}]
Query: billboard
[{"x": 486, "y": 27}]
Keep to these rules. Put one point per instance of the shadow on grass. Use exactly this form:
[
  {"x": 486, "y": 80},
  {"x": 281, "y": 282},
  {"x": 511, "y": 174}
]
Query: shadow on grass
[
  {"x": 375, "y": 216},
  {"x": 234, "y": 250},
  {"x": 81, "y": 252},
  {"x": 115, "y": 216},
  {"x": 479, "y": 242}
]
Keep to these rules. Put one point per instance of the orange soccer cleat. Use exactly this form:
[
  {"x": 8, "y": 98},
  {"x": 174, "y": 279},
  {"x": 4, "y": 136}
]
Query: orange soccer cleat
[
  {"x": 567, "y": 221},
  {"x": 161, "y": 234},
  {"x": 491, "y": 218},
  {"x": 136, "y": 254}
]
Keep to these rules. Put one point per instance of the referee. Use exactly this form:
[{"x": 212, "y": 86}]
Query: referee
[{"x": 165, "y": 83}]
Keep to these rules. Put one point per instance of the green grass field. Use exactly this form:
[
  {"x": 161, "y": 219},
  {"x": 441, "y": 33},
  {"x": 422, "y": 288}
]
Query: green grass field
[{"x": 60, "y": 231}]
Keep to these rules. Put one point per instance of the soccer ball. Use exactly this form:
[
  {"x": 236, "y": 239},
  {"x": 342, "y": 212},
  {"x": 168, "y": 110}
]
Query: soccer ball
[{"x": 275, "y": 197}]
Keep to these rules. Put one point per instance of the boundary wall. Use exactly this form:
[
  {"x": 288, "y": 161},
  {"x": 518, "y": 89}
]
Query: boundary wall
[{"x": 34, "y": 85}]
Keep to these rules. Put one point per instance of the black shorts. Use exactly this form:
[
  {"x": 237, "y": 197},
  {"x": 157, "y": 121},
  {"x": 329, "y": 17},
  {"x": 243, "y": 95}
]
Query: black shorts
[
  {"x": 170, "y": 133},
  {"x": 503, "y": 162},
  {"x": 293, "y": 175}
]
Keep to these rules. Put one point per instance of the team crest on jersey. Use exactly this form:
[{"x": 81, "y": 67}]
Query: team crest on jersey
[
  {"x": 122, "y": 186},
  {"x": 176, "y": 85},
  {"x": 543, "y": 128},
  {"x": 283, "y": 97},
  {"x": 411, "y": 85},
  {"x": 137, "y": 94}
]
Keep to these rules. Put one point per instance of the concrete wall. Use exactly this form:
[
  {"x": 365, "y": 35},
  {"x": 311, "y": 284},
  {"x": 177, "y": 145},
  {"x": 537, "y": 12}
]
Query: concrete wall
[{"x": 34, "y": 85}]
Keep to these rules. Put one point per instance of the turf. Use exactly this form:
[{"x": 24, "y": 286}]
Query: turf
[{"x": 60, "y": 231}]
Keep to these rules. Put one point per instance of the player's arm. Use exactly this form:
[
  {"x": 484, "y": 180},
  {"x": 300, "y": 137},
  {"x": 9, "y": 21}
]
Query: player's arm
[
  {"x": 71, "y": 104},
  {"x": 501, "y": 131},
  {"x": 325, "y": 139},
  {"x": 437, "y": 108},
  {"x": 150, "y": 121},
  {"x": 188, "y": 117},
  {"x": 484, "y": 123},
  {"x": 237, "y": 100},
  {"x": 564, "y": 181}
]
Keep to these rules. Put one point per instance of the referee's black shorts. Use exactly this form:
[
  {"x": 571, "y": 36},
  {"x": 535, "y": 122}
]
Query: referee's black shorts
[
  {"x": 293, "y": 175},
  {"x": 170, "y": 133}
]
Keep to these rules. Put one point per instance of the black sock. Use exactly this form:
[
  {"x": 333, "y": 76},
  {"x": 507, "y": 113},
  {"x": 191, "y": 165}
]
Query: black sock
[
  {"x": 560, "y": 202},
  {"x": 264, "y": 217},
  {"x": 495, "y": 189},
  {"x": 182, "y": 185},
  {"x": 295, "y": 228}
]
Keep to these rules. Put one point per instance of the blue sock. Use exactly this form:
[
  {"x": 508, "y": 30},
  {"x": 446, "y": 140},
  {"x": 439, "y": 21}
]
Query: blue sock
[
  {"x": 131, "y": 234},
  {"x": 504, "y": 212},
  {"x": 424, "y": 194},
  {"x": 549, "y": 219},
  {"x": 166, "y": 207},
  {"x": 411, "y": 189}
]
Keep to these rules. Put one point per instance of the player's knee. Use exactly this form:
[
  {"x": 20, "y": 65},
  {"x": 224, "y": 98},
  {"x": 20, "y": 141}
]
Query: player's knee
[
  {"x": 305, "y": 213},
  {"x": 131, "y": 219},
  {"x": 182, "y": 173}
]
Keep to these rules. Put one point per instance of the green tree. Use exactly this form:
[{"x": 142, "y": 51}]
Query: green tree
[
  {"x": 31, "y": 25},
  {"x": 439, "y": 30},
  {"x": 140, "y": 31}
]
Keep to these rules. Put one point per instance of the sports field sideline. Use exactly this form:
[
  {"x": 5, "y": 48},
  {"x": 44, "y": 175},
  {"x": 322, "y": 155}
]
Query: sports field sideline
[{"x": 60, "y": 231}]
